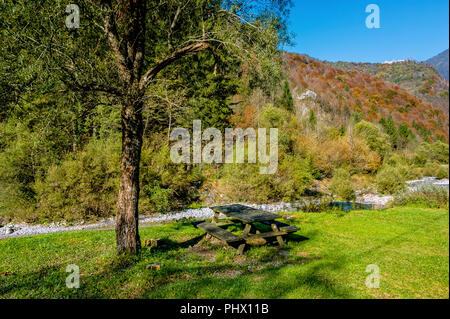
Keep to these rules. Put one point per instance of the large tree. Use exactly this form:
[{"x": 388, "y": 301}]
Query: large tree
[{"x": 121, "y": 52}]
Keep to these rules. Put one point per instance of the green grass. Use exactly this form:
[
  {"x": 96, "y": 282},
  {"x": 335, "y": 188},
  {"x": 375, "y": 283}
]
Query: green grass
[{"x": 326, "y": 258}]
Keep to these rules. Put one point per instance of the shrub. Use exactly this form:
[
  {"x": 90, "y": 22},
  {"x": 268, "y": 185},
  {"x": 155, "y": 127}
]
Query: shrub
[
  {"x": 245, "y": 183},
  {"x": 395, "y": 159},
  {"x": 443, "y": 172},
  {"x": 82, "y": 187},
  {"x": 390, "y": 180},
  {"x": 293, "y": 177},
  {"x": 341, "y": 185},
  {"x": 440, "y": 152},
  {"x": 377, "y": 140},
  {"x": 24, "y": 155},
  {"x": 166, "y": 185},
  {"x": 409, "y": 172},
  {"x": 435, "y": 170},
  {"x": 159, "y": 198},
  {"x": 430, "y": 197},
  {"x": 272, "y": 116},
  {"x": 363, "y": 160},
  {"x": 437, "y": 152}
]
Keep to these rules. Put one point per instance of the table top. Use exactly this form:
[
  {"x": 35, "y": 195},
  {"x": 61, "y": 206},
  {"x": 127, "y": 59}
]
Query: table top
[{"x": 244, "y": 213}]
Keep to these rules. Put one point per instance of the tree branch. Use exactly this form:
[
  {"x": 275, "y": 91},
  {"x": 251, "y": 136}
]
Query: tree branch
[
  {"x": 188, "y": 50},
  {"x": 114, "y": 42}
]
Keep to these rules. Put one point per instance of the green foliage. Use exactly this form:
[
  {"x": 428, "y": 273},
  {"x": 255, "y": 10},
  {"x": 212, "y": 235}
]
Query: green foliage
[
  {"x": 165, "y": 185},
  {"x": 435, "y": 152},
  {"x": 429, "y": 197},
  {"x": 271, "y": 116},
  {"x": 390, "y": 180},
  {"x": 286, "y": 101},
  {"x": 403, "y": 166},
  {"x": 82, "y": 187},
  {"x": 341, "y": 184},
  {"x": 245, "y": 183},
  {"x": 356, "y": 117},
  {"x": 294, "y": 176},
  {"x": 404, "y": 135},
  {"x": 75, "y": 90},
  {"x": 312, "y": 119},
  {"x": 391, "y": 130},
  {"x": 435, "y": 169},
  {"x": 377, "y": 140}
]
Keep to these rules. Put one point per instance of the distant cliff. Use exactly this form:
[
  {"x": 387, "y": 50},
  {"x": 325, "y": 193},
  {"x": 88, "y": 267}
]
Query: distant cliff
[{"x": 440, "y": 62}]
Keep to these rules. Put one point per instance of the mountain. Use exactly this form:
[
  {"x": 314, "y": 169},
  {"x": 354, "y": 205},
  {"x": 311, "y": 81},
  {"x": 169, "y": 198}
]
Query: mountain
[
  {"x": 339, "y": 94},
  {"x": 418, "y": 78},
  {"x": 440, "y": 62}
]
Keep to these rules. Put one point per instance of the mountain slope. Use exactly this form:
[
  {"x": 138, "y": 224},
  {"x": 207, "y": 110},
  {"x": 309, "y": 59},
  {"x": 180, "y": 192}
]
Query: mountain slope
[
  {"x": 440, "y": 62},
  {"x": 342, "y": 93},
  {"x": 418, "y": 78}
]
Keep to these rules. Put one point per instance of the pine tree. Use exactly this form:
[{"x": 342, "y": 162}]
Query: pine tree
[{"x": 286, "y": 101}]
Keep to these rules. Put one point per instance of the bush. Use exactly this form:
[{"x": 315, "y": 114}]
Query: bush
[
  {"x": 390, "y": 180},
  {"x": 442, "y": 172},
  {"x": 165, "y": 185},
  {"x": 293, "y": 177},
  {"x": 430, "y": 197},
  {"x": 375, "y": 138},
  {"x": 245, "y": 183},
  {"x": 24, "y": 155},
  {"x": 409, "y": 172},
  {"x": 83, "y": 187},
  {"x": 341, "y": 185},
  {"x": 437, "y": 152},
  {"x": 435, "y": 170}
]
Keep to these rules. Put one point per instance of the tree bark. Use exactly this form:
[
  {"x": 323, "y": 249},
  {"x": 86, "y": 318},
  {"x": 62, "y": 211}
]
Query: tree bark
[{"x": 127, "y": 222}]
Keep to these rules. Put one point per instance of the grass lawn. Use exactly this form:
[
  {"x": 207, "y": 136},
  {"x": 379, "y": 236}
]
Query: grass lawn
[{"x": 326, "y": 258}]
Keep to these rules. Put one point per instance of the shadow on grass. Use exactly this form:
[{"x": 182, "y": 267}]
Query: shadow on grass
[
  {"x": 27, "y": 284},
  {"x": 270, "y": 283},
  {"x": 166, "y": 244},
  {"x": 181, "y": 277}
]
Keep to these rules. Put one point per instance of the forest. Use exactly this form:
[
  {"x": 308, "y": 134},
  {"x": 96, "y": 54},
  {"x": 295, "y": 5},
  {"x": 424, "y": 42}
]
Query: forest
[{"x": 78, "y": 108}]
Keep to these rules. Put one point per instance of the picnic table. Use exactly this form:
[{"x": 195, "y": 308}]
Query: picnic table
[{"x": 249, "y": 217}]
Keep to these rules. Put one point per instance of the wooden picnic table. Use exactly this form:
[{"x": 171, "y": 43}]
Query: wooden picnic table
[{"x": 247, "y": 216}]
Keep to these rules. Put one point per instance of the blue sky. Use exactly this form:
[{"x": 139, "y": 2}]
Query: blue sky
[{"x": 335, "y": 30}]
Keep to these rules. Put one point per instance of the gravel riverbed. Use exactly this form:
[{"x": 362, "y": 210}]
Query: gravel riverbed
[{"x": 22, "y": 229}]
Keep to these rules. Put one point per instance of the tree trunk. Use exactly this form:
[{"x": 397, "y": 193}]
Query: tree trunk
[{"x": 127, "y": 228}]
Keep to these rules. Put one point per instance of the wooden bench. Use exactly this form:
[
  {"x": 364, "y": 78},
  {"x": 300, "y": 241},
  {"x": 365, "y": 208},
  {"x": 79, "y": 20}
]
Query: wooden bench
[
  {"x": 228, "y": 237},
  {"x": 267, "y": 234},
  {"x": 279, "y": 231},
  {"x": 282, "y": 226}
]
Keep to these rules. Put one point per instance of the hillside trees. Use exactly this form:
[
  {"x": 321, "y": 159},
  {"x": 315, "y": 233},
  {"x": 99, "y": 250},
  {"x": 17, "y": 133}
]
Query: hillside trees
[
  {"x": 391, "y": 130},
  {"x": 122, "y": 53},
  {"x": 377, "y": 140},
  {"x": 286, "y": 101}
]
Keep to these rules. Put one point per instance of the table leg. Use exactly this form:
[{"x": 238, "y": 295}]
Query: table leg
[
  {"x": 241, "y": 249},
  {"x": 247, "y": 230},
  {"x": 279, "y": 238},
  {"x": 215, "y": 218}
]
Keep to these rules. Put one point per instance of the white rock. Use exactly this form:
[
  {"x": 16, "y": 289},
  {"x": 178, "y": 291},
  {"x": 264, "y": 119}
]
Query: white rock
[{"x": 308, "y": 94}]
